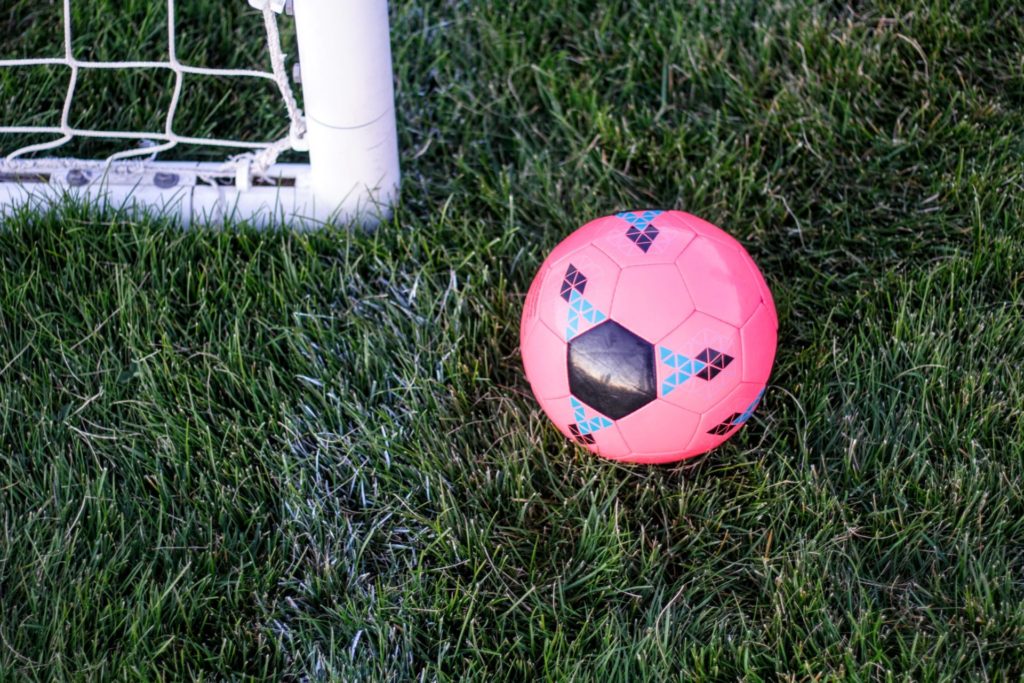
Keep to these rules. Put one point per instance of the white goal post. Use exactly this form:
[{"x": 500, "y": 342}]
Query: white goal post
[{"x": 347, "y": 125}]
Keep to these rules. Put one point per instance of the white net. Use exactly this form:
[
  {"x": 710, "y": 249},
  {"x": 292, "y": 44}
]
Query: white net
[{"x": 253, "y": 157}]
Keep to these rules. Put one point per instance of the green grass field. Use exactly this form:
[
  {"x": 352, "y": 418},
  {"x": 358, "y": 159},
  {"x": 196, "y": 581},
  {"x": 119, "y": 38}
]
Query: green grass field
[{"x": 232, "y": 454}]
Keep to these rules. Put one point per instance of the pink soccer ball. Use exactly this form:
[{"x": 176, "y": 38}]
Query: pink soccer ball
[{"x": 648, "y": 336}]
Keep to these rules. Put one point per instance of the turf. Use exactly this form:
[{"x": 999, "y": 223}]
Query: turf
[{"x": 231, "y": 454}]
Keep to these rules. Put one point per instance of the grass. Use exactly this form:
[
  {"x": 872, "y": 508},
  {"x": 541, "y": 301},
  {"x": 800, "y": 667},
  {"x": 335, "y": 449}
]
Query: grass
[{"x": 230, "y": 454}]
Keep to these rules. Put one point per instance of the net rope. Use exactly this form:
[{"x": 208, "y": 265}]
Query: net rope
[{"x": 257, "y": 160}]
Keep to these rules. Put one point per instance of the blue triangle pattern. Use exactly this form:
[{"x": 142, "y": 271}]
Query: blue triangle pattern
[
  {"x": 641, "y": 232},
  {"x": 750, "y": 409},
  {"x": 583, "y": 424},
  {"x": 579, "y": 413},
  {"x": 581, "y": 307},
  {"x": 572, "y": 326},
  {"x": 736, "y": 419},
  {"x": 684, "y": 367},
  {"x": 638, "y": 218},
  {"x": 594, "y": 424}
]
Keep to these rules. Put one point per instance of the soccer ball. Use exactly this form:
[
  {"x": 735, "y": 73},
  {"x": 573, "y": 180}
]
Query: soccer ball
[{"x": 648, "y": 336}]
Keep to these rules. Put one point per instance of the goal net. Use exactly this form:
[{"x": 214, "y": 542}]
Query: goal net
[{"x": 129, "y": 112}]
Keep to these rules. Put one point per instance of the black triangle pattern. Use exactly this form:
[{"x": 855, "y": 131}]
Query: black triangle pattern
[
  {"x": 641, "y": 232},
  {"x": 642, "y": 238},
  {"x": 715, "y": 361},
  {"x": 726, "y": 425},
  {"x": 581, "y": 438},
  {"x": 573, "y": 279}
]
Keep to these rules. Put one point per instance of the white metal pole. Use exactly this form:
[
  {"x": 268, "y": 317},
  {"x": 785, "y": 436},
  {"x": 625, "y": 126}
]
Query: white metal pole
[{"x": 345, "y": 62}]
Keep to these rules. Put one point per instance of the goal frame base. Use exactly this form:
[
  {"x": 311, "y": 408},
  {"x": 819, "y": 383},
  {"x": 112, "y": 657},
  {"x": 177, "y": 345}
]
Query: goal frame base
[{"x": 194, "y": 193}]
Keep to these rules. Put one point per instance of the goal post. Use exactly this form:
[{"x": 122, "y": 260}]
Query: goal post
[
  {"x": 347, "y": 126},
  {"x": 344, "y": 48}
]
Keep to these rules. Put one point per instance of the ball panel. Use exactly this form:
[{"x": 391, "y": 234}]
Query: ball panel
[
  {"x": 636, "y": 239},
  {"x": 608, "y": 443},
  {"x": 611, "y": 369},
  {"x": 725, "y": 419},
  {"x": 769, "y": 301},
  {"x": 698, "y": 363},
  {"x": 705, "y": 229},
  {"x": 659, "y": 429},
  {"x": 544, "y": 357},
  {"x": 719, "y": 280},
  {"x": 582, "y": 237},
  {"x": 762, "y": 285},
  {"x": 529, "y": 316},
  {"x": 586, "y": 427},
  {"x": 577, "y": 291},
  {"x": 758, "y": 338},
  {"x": 651, "y": 300},
  {"x": 661, "y": 458}
]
